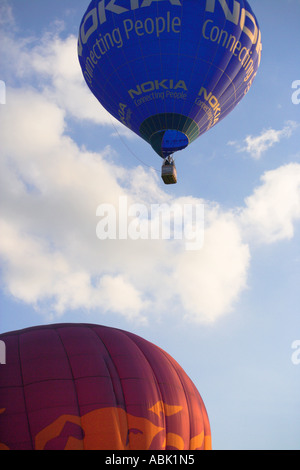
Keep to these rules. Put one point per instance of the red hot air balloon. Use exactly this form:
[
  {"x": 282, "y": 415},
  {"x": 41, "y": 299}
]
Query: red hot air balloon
[{"x": 80, "y": 386}]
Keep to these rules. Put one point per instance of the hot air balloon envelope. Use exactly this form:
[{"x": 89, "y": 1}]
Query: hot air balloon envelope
[
  {"x": 76, "y": 386},
  {"x": 169, "y": 70}
]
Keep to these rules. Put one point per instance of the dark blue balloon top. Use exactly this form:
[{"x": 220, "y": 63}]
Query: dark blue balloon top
[{"x": 169, "y": 69}]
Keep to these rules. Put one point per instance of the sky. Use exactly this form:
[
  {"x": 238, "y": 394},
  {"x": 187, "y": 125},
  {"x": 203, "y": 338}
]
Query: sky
[{"x": 229, "y": 312}]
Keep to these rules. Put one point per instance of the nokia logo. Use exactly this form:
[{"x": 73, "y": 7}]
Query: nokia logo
[{"x": 165, "y": 84}]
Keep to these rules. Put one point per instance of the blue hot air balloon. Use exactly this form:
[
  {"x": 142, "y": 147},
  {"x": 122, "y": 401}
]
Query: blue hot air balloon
[{"x": 169, "y": 70}]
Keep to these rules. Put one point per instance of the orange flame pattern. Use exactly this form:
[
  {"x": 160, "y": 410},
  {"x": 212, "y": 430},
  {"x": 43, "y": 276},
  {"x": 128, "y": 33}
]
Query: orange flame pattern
[{"x": 114, "y": 429}]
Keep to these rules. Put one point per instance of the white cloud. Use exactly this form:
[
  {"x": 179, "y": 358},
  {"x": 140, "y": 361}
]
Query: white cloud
[
  {"x": 57, "y": 60},
  {"x": 6, "y": 15},
  {"x": 36, "y": 272},
  {"x": 52, "y": 63},
  {"x": 210, "y": 280},
  {"x": 118, "y": 295},
  {"x": 257, "y": 145},
  {"x": 274, "y": 207},
  {"x": 47, "y": 278}
]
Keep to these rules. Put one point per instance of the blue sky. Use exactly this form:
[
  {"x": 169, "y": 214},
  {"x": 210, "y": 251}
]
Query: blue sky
[{"x": 228, "y": 313}]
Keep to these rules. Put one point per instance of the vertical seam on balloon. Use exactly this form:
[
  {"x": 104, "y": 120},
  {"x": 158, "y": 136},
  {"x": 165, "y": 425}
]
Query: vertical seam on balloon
[
  {"x": 120, "y": 382},
  {"x": 129, "y": 67},
  {"x": 208, "y": 70},
  {"x": 115, "y": 69},
  {"x": 229, "y": 62},
  {"x": 236, "y": 89},
  {"x": 235, "y": 92},
  {"x": 198, "y": 47},
  {"x": 128, "y": 336},
  {"x": 204, "y": 117},
  {"x": 179, "y": 48},
  {"x": 73, "y": 381},
  {"x": 178, "y": 56},
  {"x": 107, "y": 368},
  {"x": 161, "y": 69},
  {"x": 106, "y": 106},
  {"x": 191, "y": 74},
  {"x": 146, "y": 68},
  {"x": 230, "y": 78},
  {"x": 127, "y": 62},
  {"x": 183, "y": 104},
  {"x": 211, "y": 64},
  {"x": 24, "y": 393},
  {"x": 183, "y": 388},
  {"x": 159, "y": 391}
]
